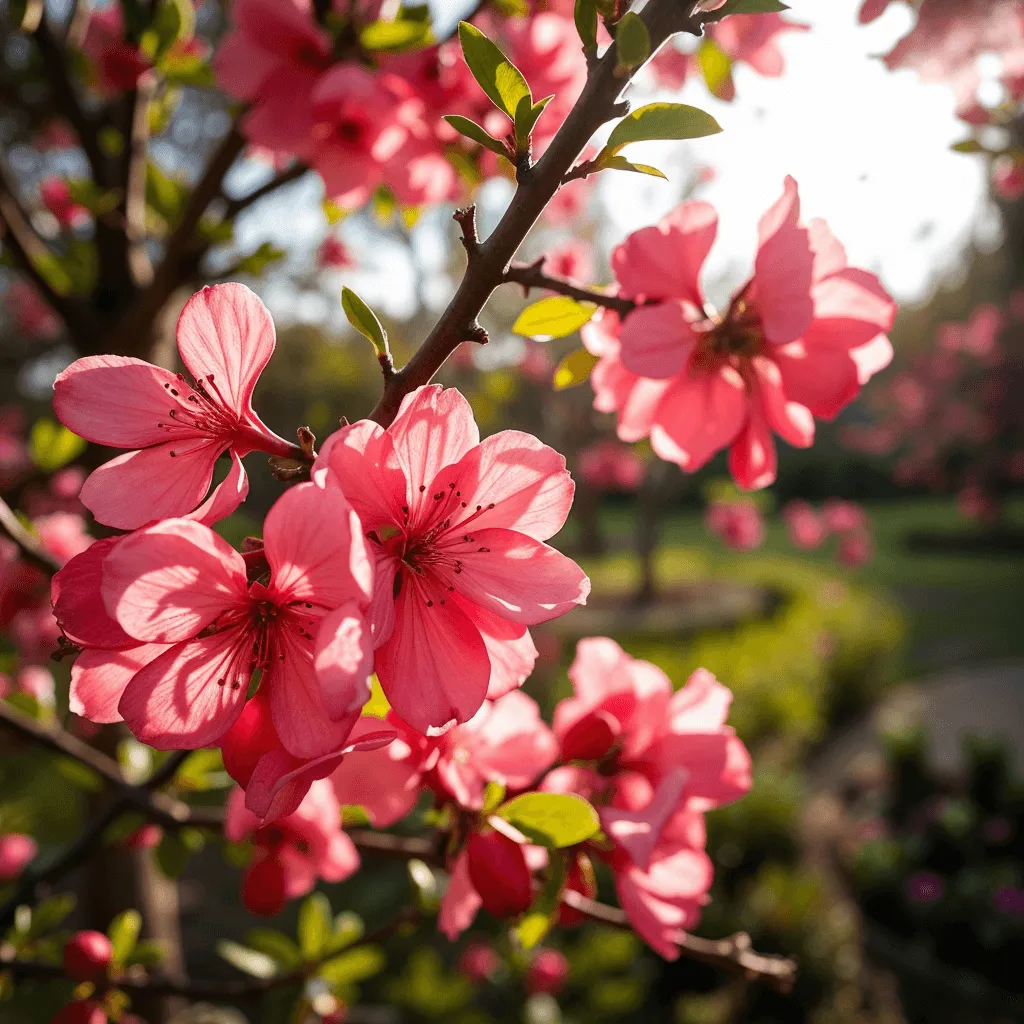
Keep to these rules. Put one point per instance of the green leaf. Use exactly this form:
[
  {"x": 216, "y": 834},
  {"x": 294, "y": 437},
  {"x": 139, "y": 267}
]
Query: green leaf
[
  {"x": 174, "y": 20},
  {"x": 659, "y": 121},
  {"x": 53, "y": 446},
  {"x": 180, "y": 67},
  {"x": 276, "y": 945},
  {"x": 745, "y": 7},
  {"x": 364, "y": 320},
  {"x": 585, "y": 15},
  {"x": 348, "y": 928},
  {"x": 165, "y": 196},
  {"x": 473, "y": 131},
  {"x": 542, "y": 916},
  {"x": 527, "y": 114},
  {"x": 968, "y": 146},
  {"x": 551, "y": 819},
  {"x": 396, "y": 36},
  {"x": 354, "y": 966},
  {"x": 50, "y": 914},
  {"x": 574, "y": 369},
  {"x": 499, "y": 78},
  {"x": 554, "y": 317},
  {"x": 424, "y": 881},
  {"x": 632, "y": 40},
  {"x": 256, "y": 262},
  {"x": 249, "y": 961},
  {"x": 620, "y": 163},
  {"x": 147, "y": 953},
  {"x": 316, "y": 924},
  {"x": 494, "y": 793},
  {"x": 172, "y": 855},
  {"x": 124, "y": 934},
  {"x": 716, "y": 68}
]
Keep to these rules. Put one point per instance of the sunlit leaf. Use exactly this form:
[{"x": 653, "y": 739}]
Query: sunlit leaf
[
  {"x": 620, "y": 163},
  {"x": 554, "y": 317},
  {"x": 364, "y": 320},
  {"x": 316, "y": 922},
  {"x": 53, "y": 446},
  {"x": 716, "y": 67},
  {"x": 249, "y": 961},
  {"x": 551, "y": 819},
  {"x": 660, "y": 121},
  {"x": 499, "y": 78},
  {"x": 124, "y": 933},
  {"x": 473, "y": 131},
  {"x": 632, "y": 40},
  {"x": 396, "y": 36},
  {"x": 745, "y": 7},
  {"x": 574, "y": 369},
  {"x": 585, "y": 16},
  {"x": 354, "y": 966}
]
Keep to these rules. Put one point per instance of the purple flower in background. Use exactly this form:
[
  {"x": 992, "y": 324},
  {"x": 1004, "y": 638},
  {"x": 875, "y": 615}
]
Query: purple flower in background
[
  {"x": 925, "y": 887},
  {"x": 1009, "y": 899}
]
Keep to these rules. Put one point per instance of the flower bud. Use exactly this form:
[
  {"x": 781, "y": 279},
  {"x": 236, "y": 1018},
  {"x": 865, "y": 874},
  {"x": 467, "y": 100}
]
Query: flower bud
[
  {"x": 16, "y": 850},
  {"x": 548, "y": 972},
  {"x": 263, "y": 888},
  {"x": 498, "y": 871},
  {"x": 478, "y": 962},
  {"x": 251, "y": 736},
  {"x": 87, "y": 1012},
  {"x": 87, "y": 956},
  {"x": 591, "y": 737}
]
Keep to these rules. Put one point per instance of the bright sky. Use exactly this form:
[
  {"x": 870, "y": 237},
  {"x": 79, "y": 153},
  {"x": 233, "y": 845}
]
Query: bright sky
[{"x": 869, "y": 148}]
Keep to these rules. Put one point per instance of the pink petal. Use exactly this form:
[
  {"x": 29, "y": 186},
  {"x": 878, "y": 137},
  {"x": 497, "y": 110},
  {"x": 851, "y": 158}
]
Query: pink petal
[
  {"x": 782, "y": 270},
  {"x": 829, "y": 254},
  {"x": 515, "y": 576},
  {"x": 511, "y": 744},
  {"x": 314, "y": 544},
  {"x": 434, "y": 428},
  {"x": 280, "y": 782},
  {"x": 98, "y": 678},
  {"x": 226, "y": 331},
  {"x": 138, "y": 487},
  {"x": 178, "y": 701},
  {"x": 117, "y": 401},
  {"x": 752, "y": 459},
  {"x": 638, "y": 832},
  {"x": 657, "y": 340},
  {"x": 790, "y": 420},
  {"x": 226, "y": 497},
  {"x": 460, "y": 903},
  {"x": 452, "y": 669},
  {"x": 698, "y": 416},
  {"x": 700, "y": 705},
  {"x": 509, "y": 646},
  {"x": 872, "y": 358},
  {"x": 664, "y": 261},
  {"x": 525, "y": 481},
  {"x": 821, "y": 377},
  {"x": 853, "y": 304},
  {"x": 344, "y": 660},
  {"x": 77, "y": 599},
  {"x": 167, "y": 582}
]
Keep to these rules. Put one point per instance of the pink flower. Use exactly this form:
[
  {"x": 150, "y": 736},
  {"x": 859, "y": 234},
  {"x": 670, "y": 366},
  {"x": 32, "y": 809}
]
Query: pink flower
[
  {"x": 671, "y": 67},
  {"x": 807, "y": 531},
  {"x": 63, "y": 534},
  {"x": 843, "y": 516},
  {"x": 32, "y": 315},
  {"x": 872, "y": 10},
  {"x": 178, "y": 583},
  {"x": 16, "y": 850},
  {"x": 855, "y": 549},
  {"x": 548, "y": 972},
  {"x": 333, "y": 252},
  {"x": 752, "y": 39},
  {"x": 478, "y": 962},
  {"x": 226, "y": 338},
  {"x": 1008, "y": 178},
  {"x": 505, "y": 742},
  {"x": 118, "y": 64},
  {"x": 609, "y": 466},
  {"x": 306, "y": 845},
  {"x": 738, "y": 523},
  {"x": 273, "y": 58},
  {"x": 570, "y": 260},
  {"x": 37, "y": 682},
  {"x": 456, "y": 527},
  {"x": 56, "y": 196},
  {"x": 797, "y": 341}
]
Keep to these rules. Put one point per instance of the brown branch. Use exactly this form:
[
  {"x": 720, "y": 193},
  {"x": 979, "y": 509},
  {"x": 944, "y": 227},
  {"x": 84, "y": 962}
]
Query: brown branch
[
  {"x": 598, "y": 102},
  {"x": 236, "y": 206},
  {"x": 31, "y": 546},
  {"x": 531, "y": 275},
  {"x": 139, "y": 265},
  {"x": 733, "y": 954}
]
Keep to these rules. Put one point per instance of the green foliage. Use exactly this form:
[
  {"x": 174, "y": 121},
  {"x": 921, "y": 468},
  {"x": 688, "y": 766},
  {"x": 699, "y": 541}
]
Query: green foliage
[
  {"x": 365, "y": 321},
  {"x": 620, "y": 163},
  {"x": 247, "y": 960},
  {"x": 573, "y": 369},
  {"x": 499, "y": 78},
  {"x": 745, "y": 7},
  {"x": 398, "y": 36},
  {"x": 585, "y": 16},
  {"x": 716, "y": 66},
  {"x": 258, "y": 261},
  {"x": 632, "y": 41},
  {"x": 427, "y": 988},
  {"x": 472, "y": 131},
  {"x": 659, "y": 121},
  {"x": 554, "y": 317},
  {"x": 551, "y": 819},
  {"x": 314, "y": 927},
  {"x": 124, "y": 933},
  {"x": 53, "y": 446}
]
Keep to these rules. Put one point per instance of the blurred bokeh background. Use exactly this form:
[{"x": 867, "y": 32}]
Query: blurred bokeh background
[{"x": 867, "y": 610}]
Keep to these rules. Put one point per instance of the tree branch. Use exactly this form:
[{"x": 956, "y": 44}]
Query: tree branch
[
  {"x": 598, "y": 102},
  {"x": 734, "y": 954},
  {"x": 531, "y": 275},
  {"x": 139, "y": 265},
  {"x": 30, "y": 545},
  {"x": 236, "y": 206}
]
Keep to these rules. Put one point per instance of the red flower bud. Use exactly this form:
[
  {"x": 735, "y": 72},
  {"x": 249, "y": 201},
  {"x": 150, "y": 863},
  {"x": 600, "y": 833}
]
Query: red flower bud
[
  {"x": 145, "y": 837},
  {"x": 498, "y": 871},
  {"x": 591, "y": 737},
  {"x": 87, "y": 1012},
  {"x": 87, "y": 956},
  {"x": 263, "y": 887},
  {"x": 251, "y": 737},
  {"x": 548, "y": 973},
  {"x": 478, "y": 962},
  {"x": 580, "y": 879}
]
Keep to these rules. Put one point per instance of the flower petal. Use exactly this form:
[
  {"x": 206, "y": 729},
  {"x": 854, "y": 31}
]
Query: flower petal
[
  {"x": 657, "y": 340},
  {"x": 752, "y": 458},
  {"x": 99, "y": 677},
  {"x": 460, "y": 903},
  {"x": 77, "y": 597},
  {"x": 189, "y": 696},
  {"x": 138, "y": 487},
  {"x": 790, "y": 420},
  {"x": 167, "y": 582},
  {"x": 344, "y": 660},
  {"x": 226, "y": 497}
]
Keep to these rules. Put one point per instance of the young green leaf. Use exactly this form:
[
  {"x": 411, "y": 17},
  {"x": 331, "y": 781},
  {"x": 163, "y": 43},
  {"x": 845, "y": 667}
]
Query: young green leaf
[
  {"x": 620, "y": 163},
  {"x": 968, "y": 146},
  {"x": 660, "y": 121},
  {"x": 551, "y": 819},
  {"x": 745, "y": 7},
  {"x": 574, "y": 369},
  {"x": 354, "y": 966},
  {"x": 276, "y": 945},
  {"x": 585, "y": 15},
  {"x": 495, "y": 73},
  {"x": 527, "y": 115},
  {"x": 473, "y": 131},
  {"x": 553, "y": 317},
  {"x": 364, "y": 320},
  {"x": 716, "y": 68},
  {"x": 50, "y": 914},
  {"x": 542, "y": 916},
  {"x": 53, "y": 446},
  {"x": 632, "y": 40},
  {"x": 397, "y": 36},
  {"x": 249, "y": 961},
  {"x": 124, "y": 934},
  {"x": 316, "y": 924}
]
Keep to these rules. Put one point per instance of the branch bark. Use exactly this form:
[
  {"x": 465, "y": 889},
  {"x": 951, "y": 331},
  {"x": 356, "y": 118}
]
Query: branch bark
[
  {"x": 531, "y": 275},
  {"x": 31, "y": 546},
  {"x": 236, "y": 206},
  {"x": 598, "y": 103}
]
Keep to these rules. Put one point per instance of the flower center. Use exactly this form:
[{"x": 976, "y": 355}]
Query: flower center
[
  {"x": 737, "y": 336},
  {"x": 201, "y": 409}
]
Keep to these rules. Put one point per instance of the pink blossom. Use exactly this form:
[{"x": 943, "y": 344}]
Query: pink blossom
[
  {"x": 177, "y": 583},
  {"x": 548, "y": 972},
  {"x": 56, "y": 196},
  {"x": 37, "y": 682},
  {"x": 738, "y": 523},
  {"x": 478, "y": 962},
  {"x": 62, "y": 534},
  {"x": 304, "y": 846},
  {"x": 16, "y": 850},
  {"x": 872, "y": 10},
  {"x": 671, "y": 67},
  {"x": 753, "y": 40},
  {"x": 226, "y": 338},
  {"x": 32, "y": 315},
  {"x": 609, "y": 466},
  {"x": 569, "y": 202},
  {"x": 536, "y": 363},
  {"x": 273, "y": 58},
  {"x": 505, "y": 742},
  {"x": 456, "y": 527},
  {"x": 807, "y": 531},
  {"x": 843, "y": 516},
  {"x": 333, "y": 252},
  {"x": 1008, "y": 178},
  {"x": 570, "y": 261},
  {"x": 855, "y": 549},
  {"x": 797, "y": 341},
  {"x": 117, "y": 62}
]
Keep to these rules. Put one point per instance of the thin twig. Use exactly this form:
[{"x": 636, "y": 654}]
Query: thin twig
[
  {"x": 734, "y": 954},
  {"x": 30, "y": 545},
  {"x": 139, "y": 264},
  {"x": 236, "y": 206},
  {"x": 531, "y": 275},
  {"x": 598, "y": 102}
]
